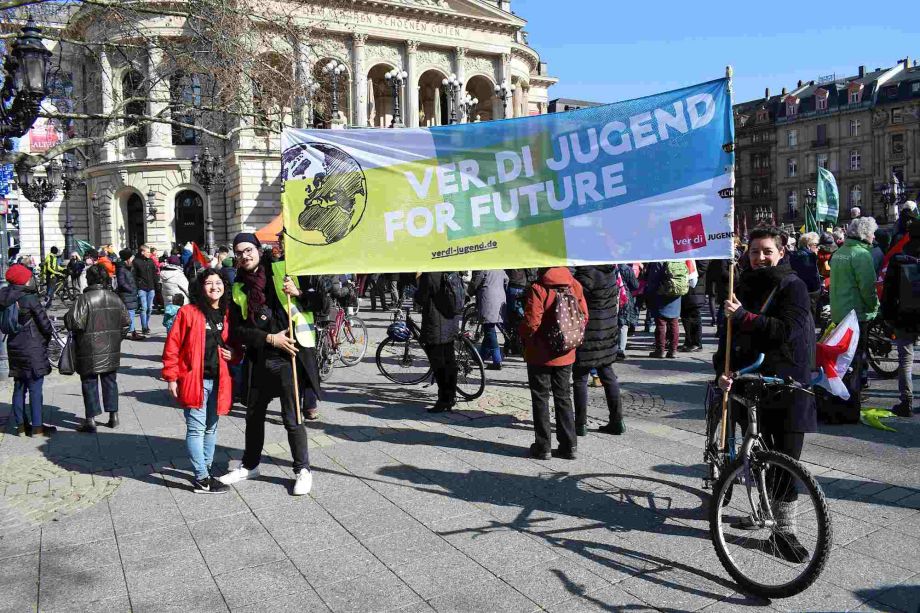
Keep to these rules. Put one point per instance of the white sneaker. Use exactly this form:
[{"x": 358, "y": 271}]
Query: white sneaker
[
  {"x": 239, "y": 474},
  {"x": 304, "y": 482}
]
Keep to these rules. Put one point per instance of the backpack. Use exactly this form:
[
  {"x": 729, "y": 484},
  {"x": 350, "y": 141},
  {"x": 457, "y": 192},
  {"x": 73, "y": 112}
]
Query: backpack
[
  {"x": 567, "y": 326},
  {"x": 621, "y": 289},
  {"x": 450, "y": 297},
  {"x": 9, "y": 319},
  {"x": 675, "y": 282},
  {"x": 909, "y": 293}
]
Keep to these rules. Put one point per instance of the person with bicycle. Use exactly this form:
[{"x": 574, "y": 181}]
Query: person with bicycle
[
  {"x": 771, "y": 315},
  {"x": 489, "y": 288},
  {"x": 53, "y": 273},
  {"x": 440, "y": 298},
  {"x": 25, "y": 323},
  {"x": 853, "y": 287}
]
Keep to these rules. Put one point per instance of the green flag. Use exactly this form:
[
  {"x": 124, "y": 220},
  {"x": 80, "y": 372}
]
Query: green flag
[
  {"x": 828, "y": 206},
  {"x": 83, "y": 247},
  {"x": 811, "y": 220}
]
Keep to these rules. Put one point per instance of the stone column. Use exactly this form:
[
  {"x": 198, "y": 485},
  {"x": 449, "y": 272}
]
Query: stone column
[
  {"x": 411, "y": 97},
  {"x": 460, "y": 71},
  {"x": 507, "y": 110},
  {"x": 109, "y": 149},
  {"x": 359, "y": 76},
  {"x": 160, "y": 145}
]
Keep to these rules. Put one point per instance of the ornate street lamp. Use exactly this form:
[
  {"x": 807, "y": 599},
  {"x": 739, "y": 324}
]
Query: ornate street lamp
[
  {"x": 208, "y": 171},
  {"x": 395, "y": 79},
  {"x": 452, "y": 85},
  {"x": 311, "y": 87},
  {"x": 151, "y": 206},
  {"x": 26, "y": 83},
  {"x": 334, "y": 70},
  {"x": 504, "y": 91},
  {"x": 893, "y": 196},
  {"x": 72, "y": 178},
  {"x": 467, "y": 104},
  {"x": 39, "y": 191}
]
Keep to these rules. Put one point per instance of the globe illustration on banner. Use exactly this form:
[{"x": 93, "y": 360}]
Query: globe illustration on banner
[{"x": 335, "y": 192}]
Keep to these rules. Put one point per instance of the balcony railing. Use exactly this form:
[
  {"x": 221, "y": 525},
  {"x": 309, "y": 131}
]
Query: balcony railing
[
  {"x": 817, "y": 144},
  {"x": 761, "y": 172}
]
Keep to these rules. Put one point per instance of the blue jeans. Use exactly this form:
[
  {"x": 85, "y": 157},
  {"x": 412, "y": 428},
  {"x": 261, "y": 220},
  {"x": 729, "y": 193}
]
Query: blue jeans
[
  {"x": 34, "y": 387},
  {"x": 201, "y": 431},
  {"x": 146, "y": 298},
  {"x": 131, "y": 317},
  {"x": 490, "y": 346}
]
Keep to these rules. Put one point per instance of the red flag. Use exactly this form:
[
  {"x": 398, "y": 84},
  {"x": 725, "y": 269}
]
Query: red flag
[
  {"x": 196, "y": 253},
  {"x": 898, "y": 248}
]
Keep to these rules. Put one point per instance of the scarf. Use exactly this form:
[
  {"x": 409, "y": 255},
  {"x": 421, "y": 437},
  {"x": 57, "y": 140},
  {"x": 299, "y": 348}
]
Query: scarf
[
  {"x": 254, "y": 282},
  {"x": 757, "y": 285}
]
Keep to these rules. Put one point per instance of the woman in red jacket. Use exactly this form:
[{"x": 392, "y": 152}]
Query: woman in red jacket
[{"x": 195, "y": 367}]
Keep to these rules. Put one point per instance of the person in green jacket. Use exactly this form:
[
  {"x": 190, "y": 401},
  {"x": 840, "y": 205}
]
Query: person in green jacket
[{"x": 853, "y": 288}]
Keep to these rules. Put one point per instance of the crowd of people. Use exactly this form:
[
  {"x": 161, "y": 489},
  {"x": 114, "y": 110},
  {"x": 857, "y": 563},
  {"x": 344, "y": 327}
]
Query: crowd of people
[{"x": 236, "y": 318}]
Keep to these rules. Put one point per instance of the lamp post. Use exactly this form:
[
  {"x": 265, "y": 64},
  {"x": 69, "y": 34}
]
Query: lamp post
[
  {"x": 334, "y": 70},
  {"x": 504, "y": 91},
  {"x": 311, "y": 88},
  {"x": 893, "y": 195},
  {"x": 452, "y": 85},
  {"x": 208, "y": 171},
  {"x": 71, "y": 178},
  {"x": 25, "y": 85},
  {"x": 467, "y": 104},
  {"x": 40, "y": 191},
  {"x": 395, "y": 79},
  {"x": 151, "y": 206}
]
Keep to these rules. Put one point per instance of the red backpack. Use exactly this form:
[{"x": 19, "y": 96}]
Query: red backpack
[{"x": 566, "y": 330}]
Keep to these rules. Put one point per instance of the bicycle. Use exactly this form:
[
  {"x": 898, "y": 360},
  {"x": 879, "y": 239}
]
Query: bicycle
[
  {"x": 472, "y": 326},
  {"x": 782, "y": 525},
  {"x": 343, "y": 339},
  {"x": 57, "y": 342},
  {"x": 406, "y": 362}
]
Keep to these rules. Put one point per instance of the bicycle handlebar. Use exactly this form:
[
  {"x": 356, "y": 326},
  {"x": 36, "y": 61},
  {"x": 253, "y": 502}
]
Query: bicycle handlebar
[{"x": 749, "y": 374}]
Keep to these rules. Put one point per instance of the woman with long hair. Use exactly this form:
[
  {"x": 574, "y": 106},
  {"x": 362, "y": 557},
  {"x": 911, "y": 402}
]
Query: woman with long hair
[{"x": 195, "y": 367}]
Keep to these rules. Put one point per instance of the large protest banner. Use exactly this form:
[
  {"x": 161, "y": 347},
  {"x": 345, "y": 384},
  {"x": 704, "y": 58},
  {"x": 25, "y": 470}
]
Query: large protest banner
[{"x": 641, "y": 180}]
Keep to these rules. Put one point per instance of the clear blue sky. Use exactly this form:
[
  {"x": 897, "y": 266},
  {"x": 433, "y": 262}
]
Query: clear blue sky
[{"x": 610, "y": 50}]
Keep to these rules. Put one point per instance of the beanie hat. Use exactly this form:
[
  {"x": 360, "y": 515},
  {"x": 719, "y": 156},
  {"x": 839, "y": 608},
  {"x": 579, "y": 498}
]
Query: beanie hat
[
  {"x": 125, "y": 254},
  {"x": 174, "y": 260},
  {"x": 247, "y": 237},
  {"x": 17, "y": 274}
]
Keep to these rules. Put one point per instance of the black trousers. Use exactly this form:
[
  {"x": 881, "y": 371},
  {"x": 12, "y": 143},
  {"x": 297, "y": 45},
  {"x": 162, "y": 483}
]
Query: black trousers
[
  {"x": 544, "y": 380},
  {"x": 611, "y": 385},
  {"x": 779, "y": 483},
  {"x": 270, "y": 380},
  {"x": 692, "y": 319},
  {"x": 444, "y": 365},
  {"x": 90, "y": 387}
]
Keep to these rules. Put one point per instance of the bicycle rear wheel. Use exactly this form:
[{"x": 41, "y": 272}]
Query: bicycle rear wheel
[
  {"x": 403, "y": 362},
  {"x": 471, "y": 372},
  {"x": 56, "y": 344},
  {"x": 778, "y": 558},
  {"x": 883, "y": 353},
  {"x": 472, "y": 323},
  {"x": 324, "y": 356},
  {"x": 352, "y": 341}
]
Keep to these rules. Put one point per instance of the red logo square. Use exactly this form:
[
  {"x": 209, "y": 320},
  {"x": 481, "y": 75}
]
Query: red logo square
[{"x": 688, "y": 233}]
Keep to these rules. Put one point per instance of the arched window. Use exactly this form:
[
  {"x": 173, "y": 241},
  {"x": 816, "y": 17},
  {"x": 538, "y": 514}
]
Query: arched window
[
  {"x": 135, "y": 227},
  {"x": 185, "y": 100},
  {"x": 856, "y": 195},
  {"x": 189, "y": 218},
  {"x": 135, "y": 99}
]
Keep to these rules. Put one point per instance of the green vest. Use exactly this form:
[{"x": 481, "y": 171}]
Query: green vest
[{"x": 304, "y": 329}]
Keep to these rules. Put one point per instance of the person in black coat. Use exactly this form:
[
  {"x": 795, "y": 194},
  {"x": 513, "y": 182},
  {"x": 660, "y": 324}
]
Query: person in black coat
[
  {"x": 437, "y": 337},
  {"x": 599, "y": 348},
  {"x": 145, "y": 271},
  {"x": 27, "y": 349},
  {"x": 126, "y": 283},
  {"x": 691, "y": 311}
]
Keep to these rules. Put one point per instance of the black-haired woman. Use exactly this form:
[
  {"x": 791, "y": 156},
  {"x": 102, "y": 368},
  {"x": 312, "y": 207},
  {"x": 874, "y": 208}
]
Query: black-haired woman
[{"x": 195, "y": 367}]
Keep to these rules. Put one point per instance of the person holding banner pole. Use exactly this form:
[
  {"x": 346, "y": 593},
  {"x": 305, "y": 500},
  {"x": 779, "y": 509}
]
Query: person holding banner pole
[{"x": 260, "y": 322}]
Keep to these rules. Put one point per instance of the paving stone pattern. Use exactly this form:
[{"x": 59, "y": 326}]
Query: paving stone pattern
[{"x": 419, "y": 512}]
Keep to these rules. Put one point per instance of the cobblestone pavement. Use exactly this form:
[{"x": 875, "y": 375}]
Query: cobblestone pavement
[{"x": 418, "y": 512}]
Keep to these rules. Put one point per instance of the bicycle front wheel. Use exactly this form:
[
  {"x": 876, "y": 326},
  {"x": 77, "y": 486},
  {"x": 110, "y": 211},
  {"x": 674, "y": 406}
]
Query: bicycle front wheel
[
  {"x": 471, "y": 324},
  {"x": 775, "y": 536},
  {"x": 403, "y": 362},
  {"x": 324, "y": 357},
  {"x": 883, "y": 353},
  {"x": 352, "y": 341},
  {"x": 471, "y": 372}
]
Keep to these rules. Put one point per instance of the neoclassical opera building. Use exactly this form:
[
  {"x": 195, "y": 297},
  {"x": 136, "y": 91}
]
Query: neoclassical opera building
[{"x": 141, "y": 189}]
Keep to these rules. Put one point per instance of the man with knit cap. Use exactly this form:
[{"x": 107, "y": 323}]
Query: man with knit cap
[{"x": 259, "y": 321}]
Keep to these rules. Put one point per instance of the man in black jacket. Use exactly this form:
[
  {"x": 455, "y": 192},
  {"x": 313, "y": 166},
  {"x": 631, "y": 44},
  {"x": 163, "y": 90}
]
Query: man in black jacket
[
  {"x": 145, "y": 272},
  {"x": 127, "y": 288},
  {"x": 438, "y": 334},
  {"x": 691, "y": 310},
  {"x": 906, "y": 324},
  {"x": 98, "y": 320},
  {"x": 259, "y": 321}
]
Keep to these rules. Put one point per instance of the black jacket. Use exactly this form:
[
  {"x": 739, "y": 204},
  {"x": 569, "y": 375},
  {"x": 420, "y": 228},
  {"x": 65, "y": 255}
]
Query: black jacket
[
  {"x": 98, "y": 320},
  {"x": 436, "y": 328},
  {"x": 521, "y": 277},
  {"x": 891, "y": 291},
  {"x": 245, "y": 333},
  {"x": 127, "y": 286},
  {"x": 805, "y": 265},
  {"x": 145, "y": 271},
  {"x": 599, "y": 284},
  {"x": 28, "y": 348},
  {"x": 717, "y": 279},
  {"x": 785, "y": 334}
]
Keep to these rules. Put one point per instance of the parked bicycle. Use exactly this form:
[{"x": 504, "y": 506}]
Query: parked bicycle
[
  {"x": 343, "y": 339},
  {"x": 57, "y": 342},
  {"x": 404, "y": 361},
  {"x": 775, "y": 539},
  {"x": 471, "y": 324}
]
